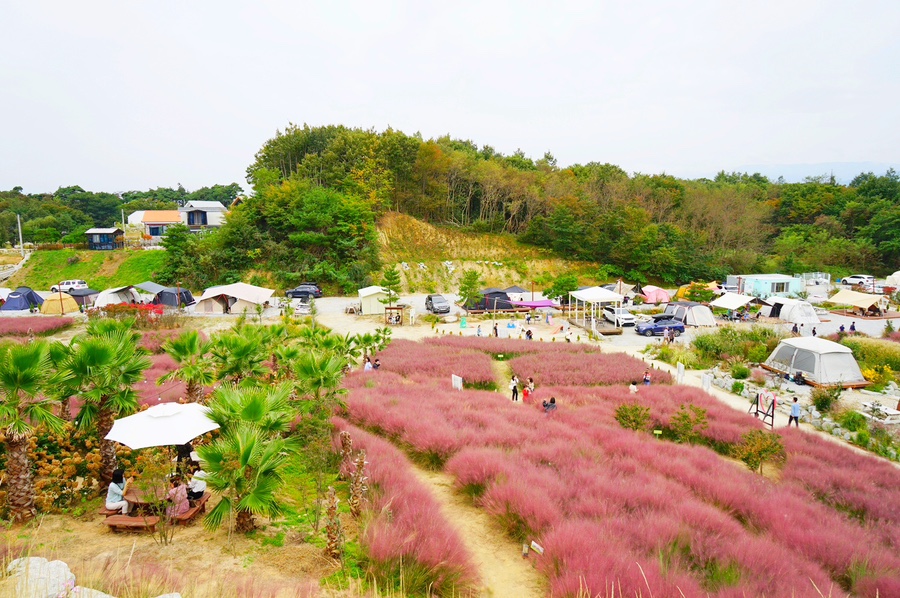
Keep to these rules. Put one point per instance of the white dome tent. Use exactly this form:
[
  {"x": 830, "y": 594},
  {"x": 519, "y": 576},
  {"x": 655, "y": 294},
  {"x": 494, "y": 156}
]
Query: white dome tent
[
  {"x": 822, "y": 362},
  {"x": 791, "y": 310}
]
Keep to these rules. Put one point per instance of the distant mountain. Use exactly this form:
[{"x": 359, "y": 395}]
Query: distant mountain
[{"x": 844, "y": 172}]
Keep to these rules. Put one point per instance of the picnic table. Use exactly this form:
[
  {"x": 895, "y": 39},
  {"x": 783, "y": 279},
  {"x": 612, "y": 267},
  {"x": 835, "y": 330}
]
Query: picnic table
[
  {"x": 880, "y": 413},
  {"x": 141, "y": 499}
]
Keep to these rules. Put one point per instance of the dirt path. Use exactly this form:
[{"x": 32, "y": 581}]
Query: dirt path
[{"x": 503, "y": 571}]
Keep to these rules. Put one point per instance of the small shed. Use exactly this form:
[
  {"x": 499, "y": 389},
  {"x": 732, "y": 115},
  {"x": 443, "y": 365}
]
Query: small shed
[
  {"x": 369, "y": 300},
  {"x": 822, "y": 362},
  {"x": 60, "y": 304},
  {"x": 105, "y": 238},
  {"x": 767, "y": 285}
]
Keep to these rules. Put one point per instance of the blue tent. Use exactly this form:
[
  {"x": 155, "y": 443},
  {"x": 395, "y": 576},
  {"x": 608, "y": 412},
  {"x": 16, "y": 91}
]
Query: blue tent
[{"x": 22, "y": 298}]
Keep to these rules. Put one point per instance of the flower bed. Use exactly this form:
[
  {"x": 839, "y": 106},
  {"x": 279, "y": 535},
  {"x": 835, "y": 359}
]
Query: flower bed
[{"x": 36, "y": 325}]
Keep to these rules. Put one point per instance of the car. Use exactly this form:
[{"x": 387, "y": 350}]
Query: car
[
  {"x": 658, "y": 327},
  {"x": 865, "y": 280},
  {"x": 437, "y": 304},
  {"x": 68, "y": 285},
  {"x": 304, "y": 290},
  {"x": 618, "y": 316}
]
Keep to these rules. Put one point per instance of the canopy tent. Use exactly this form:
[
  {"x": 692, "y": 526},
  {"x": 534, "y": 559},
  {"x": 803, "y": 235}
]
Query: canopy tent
[
  {"x": 60, "y": 304},
  {"x": 691, "y": 313},
  {"x": 822, "y": 362},
  {"x": 595, "y": 297},
  {"x": 151, "y": 287},
  {"x": 860, "y": 300},
  {"x": 116, "y": 296},
  {"x": 234, "y": 298},
  {"x": 174, "y": 297},
  {"x": 84, "y": 297},
  {"x": 732, "y": 301},
  {"x": 652, "y": 294},
  {"x": 21, "y": 299},
  {"x": 626, "y": 290},
  {"x": 536, "y": 304},
  {"x": 791, "y": 310}
]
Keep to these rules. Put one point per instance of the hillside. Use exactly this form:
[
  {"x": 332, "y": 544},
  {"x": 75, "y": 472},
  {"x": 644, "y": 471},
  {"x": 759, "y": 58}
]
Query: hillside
[
  {"x": 101, "y": 269},
  {"x": 500, "y": 259}
]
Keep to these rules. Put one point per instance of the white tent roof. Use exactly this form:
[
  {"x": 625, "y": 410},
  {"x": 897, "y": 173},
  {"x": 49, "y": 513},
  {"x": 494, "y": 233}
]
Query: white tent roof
[
  {"x": 822, "y": 361},
  {"x": 863, "y": 300},
  {"x": 893, "y": 280},
  {"x": 732, "y": 301},
  {"x": 119, "y": 295},
  {"x": 623, "y": 288},
  {"x": 239, "y": 290},
  {"x": 367, "y": 291},
  {"x": 596, "y": 295},
  {"x": 4, "y": 293},
  {"x": 814, "y": 343}
]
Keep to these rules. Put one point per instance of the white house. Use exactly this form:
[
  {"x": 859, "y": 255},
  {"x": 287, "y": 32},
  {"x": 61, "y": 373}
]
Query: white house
[{"x": 199, "y": 215}]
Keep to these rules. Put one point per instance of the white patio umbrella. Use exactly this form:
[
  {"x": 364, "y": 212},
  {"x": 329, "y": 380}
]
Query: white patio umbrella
[{"x": 162, "y": 425}]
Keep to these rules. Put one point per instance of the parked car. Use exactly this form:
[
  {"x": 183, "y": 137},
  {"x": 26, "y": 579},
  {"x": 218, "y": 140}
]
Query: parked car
[
  {"x": 865, "y": 280},
  {"x": 618, "y": 316},
  {"x": 304, "y": 290},
  {"x": 68, "y": 285},
  {"x": 658, "y": 327},
  {"x": 437, "y": 304}
]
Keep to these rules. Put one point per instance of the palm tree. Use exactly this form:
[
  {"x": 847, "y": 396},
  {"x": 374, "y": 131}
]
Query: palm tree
[
  {"x": 104, "y": 369},
  {"x": 189, "y": 351},
  {"x": 265, "y": 407},
  {"x": 319, "y": 377},
  {"x": 238, "y": 356},
  {"x": 25, "y": 372}
]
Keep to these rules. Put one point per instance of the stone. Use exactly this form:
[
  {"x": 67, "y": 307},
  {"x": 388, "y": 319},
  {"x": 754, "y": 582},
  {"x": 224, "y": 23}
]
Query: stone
[
  {"x": 848, "y": 436},
  {"x": 449, "y": 319},
  {"x": 37, "y": 577},
  {"x": 81, "y": 592},
  {"x": 836, "y": 431}
]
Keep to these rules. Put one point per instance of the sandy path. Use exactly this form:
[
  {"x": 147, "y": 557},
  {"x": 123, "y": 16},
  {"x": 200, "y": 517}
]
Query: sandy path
[{"x": 503, "y": 571}]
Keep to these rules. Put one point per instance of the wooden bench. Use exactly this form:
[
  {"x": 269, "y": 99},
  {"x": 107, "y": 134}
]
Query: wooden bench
[
  {"x": 107, "y": 513},
  {"x": 142, "y": 524},
  {"x": 190, "y": 514}
]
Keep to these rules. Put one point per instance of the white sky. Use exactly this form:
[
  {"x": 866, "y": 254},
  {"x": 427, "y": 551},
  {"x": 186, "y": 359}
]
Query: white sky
[{"x": 132, "y": 95}]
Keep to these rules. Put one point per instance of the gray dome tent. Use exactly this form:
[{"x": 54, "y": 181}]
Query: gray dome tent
[{"x": 822, "y": 362}]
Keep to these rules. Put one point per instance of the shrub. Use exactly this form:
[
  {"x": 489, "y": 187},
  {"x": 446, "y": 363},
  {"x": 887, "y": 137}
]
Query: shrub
[
  {"x": 759, "y": 446},
  {"x": 852, "y": 421},
  {"x": 752, "y": 345},
  {"x": 633, "y": 416},
  {"x": 758, "y": 376},
  {"x": 674, "y": 354},
  {"x": 879, "y": 375},
  {"x": 737, "y": 387},
  {"x": 740, "y": 371},
  {"x": 874, "y": 351},
  {"x": 826, "y": 397},
  {"x": 689, "y": 423},
  {"x": 862, "y": 438}
]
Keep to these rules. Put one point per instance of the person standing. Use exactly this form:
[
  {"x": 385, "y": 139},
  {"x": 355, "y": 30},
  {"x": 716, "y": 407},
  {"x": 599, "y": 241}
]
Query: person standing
[
  {"x": 795, "y": 330},
  {"x": 852, "y": 326},
  {"x": 646, "y": 377},
  {"x": 841, "y": 329},
  {"x": 814, "y": 331},
  {"x": 496, "y": 331},
  {"x": 795, "y": 414},
  {"x": 514, "y": 387},
  {"x": 478, "y": 331}
]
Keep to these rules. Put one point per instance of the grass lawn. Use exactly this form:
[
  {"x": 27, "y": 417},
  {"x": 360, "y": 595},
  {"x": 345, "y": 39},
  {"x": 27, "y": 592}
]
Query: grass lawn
[{"x": 101, "y": 269}]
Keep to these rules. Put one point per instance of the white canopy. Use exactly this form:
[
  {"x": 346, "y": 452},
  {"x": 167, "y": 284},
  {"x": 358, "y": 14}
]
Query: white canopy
[
  {"x": 732, "y": 301},
  {"x": 792, "y": 310},
  {"x": 596, "y": 295},
  {"x": 4, "y": 293},
  {"x": 593, "y": 296},
  {"x": 820, "y": 361},
  {"x": 239, "y": 290},
  {"x": 856, "y": 299},
  {"x": 166, "y": 424}
]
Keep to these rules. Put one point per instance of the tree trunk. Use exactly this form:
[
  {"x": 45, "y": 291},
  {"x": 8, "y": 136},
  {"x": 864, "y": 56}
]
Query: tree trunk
[
  {"x": 244, "y": 523},
  {"x": 105, "y": 419},
  {"x": 194, "y": 392},
  {"x": 21, "y": 485},
  {"x": 65, "y": 412}
]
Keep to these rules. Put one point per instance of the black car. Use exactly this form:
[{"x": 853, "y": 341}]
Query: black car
[
  {"x": 304, "y": 291},
  {"x": 437, "y": 304}
]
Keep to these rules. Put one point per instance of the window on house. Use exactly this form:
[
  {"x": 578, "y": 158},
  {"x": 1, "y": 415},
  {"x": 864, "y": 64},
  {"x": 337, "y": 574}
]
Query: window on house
[
  {"x": 779, "y": 287},
  {"x": 155, "y": 231}
]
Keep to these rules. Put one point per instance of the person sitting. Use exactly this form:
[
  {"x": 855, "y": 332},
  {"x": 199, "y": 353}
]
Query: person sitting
[
  {"x": 178, "y": 497},
  {"x": 529, "y": 335},
  {"x": 115, "y": 496},
  {"x": 376, "y": 364},
  {"x": 197, "y": 486},
  {"x": 368, "y": 366},
  {"x": 551, "y": 406},
  {"x": 633, "y": 387}
]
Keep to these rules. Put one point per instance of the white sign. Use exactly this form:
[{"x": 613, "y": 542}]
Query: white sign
[{"x": 457, "y": 381}]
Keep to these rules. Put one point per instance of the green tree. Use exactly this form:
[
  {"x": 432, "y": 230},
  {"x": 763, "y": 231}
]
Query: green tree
[
  {"x": 190, "y": 351},
  {"x": 633, "y": 416},
  {"x": 562, "y": 286},
  {"x": 238, "y": 355},
  {"x": 25, "y": 373},
  {"x": 390, "y": 282},
  {"x": 689, "y": 423},
  {"x": 470, "y": 288},
  {"x": 757, "y": 447},
  {"x": 180, "y": 255}
]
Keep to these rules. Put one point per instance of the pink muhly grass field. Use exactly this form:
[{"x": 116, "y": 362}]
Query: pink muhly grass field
[
  {"x": 584, "y": 369},
  {"x": 407, "y": 522},
  {"x": 37, "y": 325},
  {"x": 407, "y": 358},
  {"x": 509, "y": 346},
  {"x": 149, "y": 392}
]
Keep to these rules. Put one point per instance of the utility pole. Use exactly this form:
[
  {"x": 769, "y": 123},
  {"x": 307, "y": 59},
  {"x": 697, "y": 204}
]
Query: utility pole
[{"x": 21, "y": 244}]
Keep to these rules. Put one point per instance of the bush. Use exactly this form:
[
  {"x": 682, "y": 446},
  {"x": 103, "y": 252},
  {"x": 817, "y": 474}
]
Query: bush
[
  {"x": 852, "y": 421},
  {"x": 752, "y": 345},
  {"x": 825, "y": 398},
  {"x": 759, "y": 446},
  {"x": 873, "y": 351},
  {"x": 758, "y": 376},
  {"x": 862, "y": 438},
  {"x": 740, "y": 371},
  {"x": 633, "y": 417},
  {"x": 737, "y": 387},
  {"x": 688, "y": 424},
  {"x": 674, "y": 354}
]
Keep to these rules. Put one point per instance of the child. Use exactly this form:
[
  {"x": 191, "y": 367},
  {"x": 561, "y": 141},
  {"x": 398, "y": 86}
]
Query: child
[
  {"x": 646, "y": 377},
  {"x": 633, "y": 388}
]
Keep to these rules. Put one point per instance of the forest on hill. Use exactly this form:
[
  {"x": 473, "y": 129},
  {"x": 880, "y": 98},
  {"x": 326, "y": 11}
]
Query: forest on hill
[{"x": 319, "y": 191}]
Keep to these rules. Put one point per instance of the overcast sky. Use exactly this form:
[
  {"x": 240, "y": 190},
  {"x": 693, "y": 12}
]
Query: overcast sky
[{"x": 134, "y": 95}]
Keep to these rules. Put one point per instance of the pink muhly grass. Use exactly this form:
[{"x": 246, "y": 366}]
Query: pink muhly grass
[
  {"x": 37, "y": 325},
  {"x": 508, "y": 346},
  {"x": 407, "y": 358},
  {"x": 583, "y": 369},
  {"x": 149, "y": 392},
  {"x": 153, "y": 340},
  {"x": 407, "y": 522}
]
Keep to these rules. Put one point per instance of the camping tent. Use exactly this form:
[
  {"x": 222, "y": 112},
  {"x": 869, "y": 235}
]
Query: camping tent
[
  {"x": 682, "y": 291},
  {"x": 174, "y": 297},
  {"x": 22, "y": 298},
  {"x": 232, "y": 298},
  {"x": 493, "y": 299},
  {"x": 624, "y": 289},
  {"x": 116, "y": 296},
  {"x": 691, "y": 313},
  {"x": 369, "y": 303},
  {"x": 791, "y": 310},
  {"x": 516, "y": 293},
  {"x": 84, "y": 297},
  {"x": 861, "y": 300},
  {"x": 732, "y": 301},
  {"x": 151, "y": 287},
  {"x": 822, "y": 362},
  {"x": 893, "y": 280},
  {"x": 60, "y": 304},
  {"x": 654, "y": 294}
]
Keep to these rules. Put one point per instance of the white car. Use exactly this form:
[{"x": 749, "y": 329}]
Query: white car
[
  {"x": 618, "y": 316},
  {"x": 865, "y": 280},
  {"x": 68, "y": 285}
]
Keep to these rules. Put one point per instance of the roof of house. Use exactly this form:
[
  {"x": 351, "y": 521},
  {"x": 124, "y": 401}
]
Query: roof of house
[
  {"x": 102, "y": 231},
  {"x": 768, "y": 276},
  {"x": 372, "y": 290},
  {"x": 206, "y": 206},
  {"x": 161, "y": 217}
]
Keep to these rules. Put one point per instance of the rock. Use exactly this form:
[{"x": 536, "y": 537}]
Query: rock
[
  {"x": 836, "y": 431},
  {"x": 848, "y": 436},
  {"x": 37, "y": 577},
  {"x": 89, "y": 593},
  {"x": 446, "y": 320}
]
